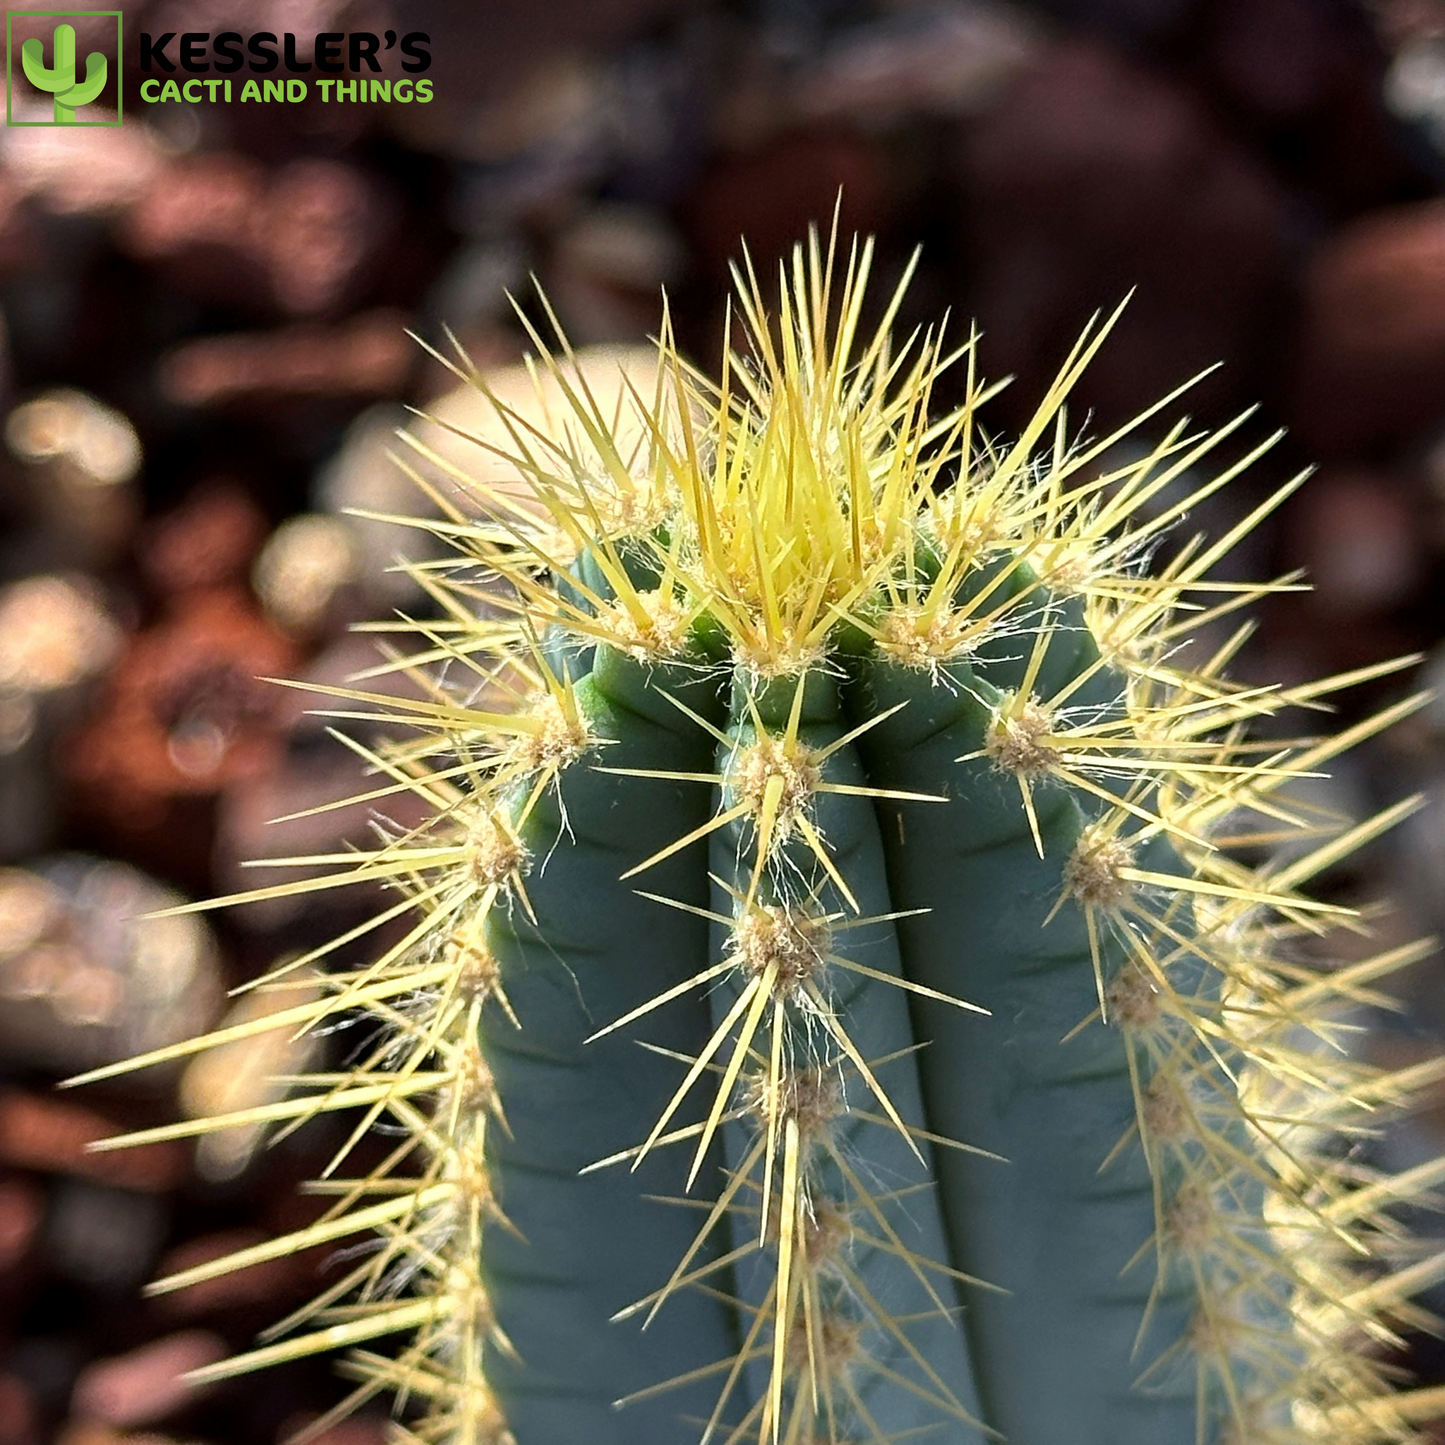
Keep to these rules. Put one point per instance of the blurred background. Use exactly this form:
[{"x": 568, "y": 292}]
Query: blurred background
[{"x": 202, "y": 360}]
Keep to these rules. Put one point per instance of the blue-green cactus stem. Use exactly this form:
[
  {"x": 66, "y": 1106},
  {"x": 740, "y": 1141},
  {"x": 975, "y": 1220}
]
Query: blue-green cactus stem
[
  {"x": 925, "y": 1388},
  {"x": 584, "y": 1246},
  {"x": 1055, "y": 1356}
]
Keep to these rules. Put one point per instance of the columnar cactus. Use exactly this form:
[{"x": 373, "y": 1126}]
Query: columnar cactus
[{"x": 834, "y": 1007}]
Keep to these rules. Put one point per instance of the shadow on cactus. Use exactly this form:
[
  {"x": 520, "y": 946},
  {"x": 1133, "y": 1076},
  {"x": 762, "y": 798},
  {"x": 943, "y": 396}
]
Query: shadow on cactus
[{"x": 833, "y": 1007}]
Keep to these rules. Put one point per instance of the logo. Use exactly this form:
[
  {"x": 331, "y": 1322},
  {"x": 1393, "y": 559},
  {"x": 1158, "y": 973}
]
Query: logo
[{"x": 70, "y": 81}]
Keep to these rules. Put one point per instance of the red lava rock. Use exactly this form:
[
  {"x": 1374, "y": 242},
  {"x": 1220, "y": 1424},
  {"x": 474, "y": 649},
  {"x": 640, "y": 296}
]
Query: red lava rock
[
  {"x": 368, "y": 355},
  {"x": 49, "y": 1135},
  {"x": 210, "y": 540},
  {"x": 771, "y": 196},
  {"x": 197, "y": 201},
  {"x": 197, "y": 218},
  {"x": 358, "y": 1430},
  {"x": 184, "y": 715},
  {"x": 261, "y": 1284},
  {"x": 21, "y": 1210},
  {"x": 1401, "y": 22},
  {"x": 185, "y": 712},
  {"x": 223, "y": 228},
  {"x": 321, "y": 222},
  {"x": 1372, "y": 341},
  {"x": 19, "y": 1422},
  {"x": 1093, "y": 176},
  {"x": 146, "y": 1385},
  {"x": 1359, "y": 539},
  {"x": 940, "y": 60}
]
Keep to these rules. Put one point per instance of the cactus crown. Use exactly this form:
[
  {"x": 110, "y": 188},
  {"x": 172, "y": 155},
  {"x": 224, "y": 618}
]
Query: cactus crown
[{"x": 924, "y": 768}]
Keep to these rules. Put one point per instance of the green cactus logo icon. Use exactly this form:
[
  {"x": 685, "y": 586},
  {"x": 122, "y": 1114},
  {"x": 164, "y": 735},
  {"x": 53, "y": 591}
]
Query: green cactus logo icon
[
  {"x": 61, "y": 78},
  {"x": 70, "y": 94}
]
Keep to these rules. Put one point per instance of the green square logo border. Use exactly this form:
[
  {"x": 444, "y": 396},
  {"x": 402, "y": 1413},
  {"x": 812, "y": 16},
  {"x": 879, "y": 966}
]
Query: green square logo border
[{"x": 119, "y": 18}]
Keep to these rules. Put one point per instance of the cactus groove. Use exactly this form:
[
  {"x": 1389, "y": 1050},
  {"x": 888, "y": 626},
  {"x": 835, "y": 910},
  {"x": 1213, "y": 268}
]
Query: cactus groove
[{"x": 834, "y": 1006}]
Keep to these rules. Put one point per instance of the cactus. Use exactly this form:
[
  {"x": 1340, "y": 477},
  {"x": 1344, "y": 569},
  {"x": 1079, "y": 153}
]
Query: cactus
[
  {"x": 832, "y": 1004},
  {"x": 70, "y": 94}
]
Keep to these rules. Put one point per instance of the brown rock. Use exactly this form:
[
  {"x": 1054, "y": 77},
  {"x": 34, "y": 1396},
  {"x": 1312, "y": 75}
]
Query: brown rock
[
  {"x": 210, "y": 540},
  {"x": 49, "y": 1135},
  {"x": 321, "y": 223},
  {"x": 80, "y": 170},
  {"x": 607, "y": 271},
  {"x": 1372, "y": 337},
  {"x": 307, "y": 576},
  {"x": 1094, "y": 176},
  {"x": 357, "y": 1430},
  {"x": 19, "y": 1421},
  {"x": 102, "y": 1236},
  {"x": 249, "y": 1073},
  {"x": 266, "y": 1284},
  {"x": 81, "y": 462},
  {"x": 147, "y": 1385},
  {"x": 21, "y": 1209},
  {"x": 92, "y": 1432},
  {"x": 198, "y": 201},
  {"x": 223, "y": 228},
  {"x": 86, "y": 979},
  {"x": 255, "y": 819},
  {"x": 1401, "y": 22},
  {"x": 370, "y": 355},
  {"x": 938, "y": 60},
  {"x": 185, "y": 713},
  {"x": 55, "y": 632},
  {"x": 1358, "y": 537},
  {"x": 198, "y": 220},
  {"x": 771, "y": 196}
]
